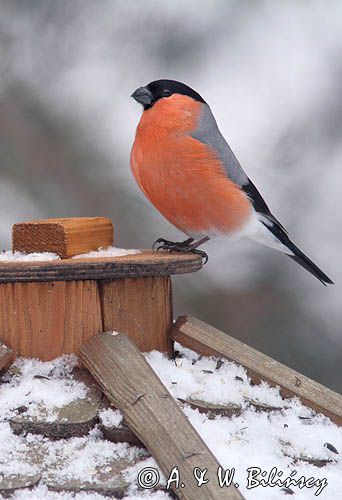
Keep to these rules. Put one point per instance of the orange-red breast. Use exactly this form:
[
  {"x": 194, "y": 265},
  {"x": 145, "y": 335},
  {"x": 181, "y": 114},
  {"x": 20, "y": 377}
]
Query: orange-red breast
[{"x": 187, "y": 170}]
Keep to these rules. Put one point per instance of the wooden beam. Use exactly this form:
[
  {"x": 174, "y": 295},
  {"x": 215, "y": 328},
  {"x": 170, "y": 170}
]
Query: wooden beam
[
  {"x": 208, "y": 341},
  {"x": 153, "y": 415},
  {"x": 141, "y": 265},
  {"x": 65, "y": 237},
  {"x": 6, "y": 356}
]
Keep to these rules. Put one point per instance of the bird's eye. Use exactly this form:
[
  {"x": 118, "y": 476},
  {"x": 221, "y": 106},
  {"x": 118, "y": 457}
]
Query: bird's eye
[{"x": 165, "y": 93}]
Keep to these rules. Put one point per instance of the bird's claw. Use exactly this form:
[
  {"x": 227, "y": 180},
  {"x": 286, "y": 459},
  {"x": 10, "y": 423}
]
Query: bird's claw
[
  {"x": 163, "y": 242},
  {"x": 179, "y": 246},
  {"x": 204, "y": 255}
]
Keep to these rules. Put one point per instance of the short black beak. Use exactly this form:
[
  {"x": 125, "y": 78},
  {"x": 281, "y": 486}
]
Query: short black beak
[{"x": 143, "y": 96}]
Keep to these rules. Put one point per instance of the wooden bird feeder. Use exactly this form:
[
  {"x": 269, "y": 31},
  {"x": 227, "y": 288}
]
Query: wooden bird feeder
[
  {"x": 67, "y": 306},
  {"x": 50, "y": 308}
]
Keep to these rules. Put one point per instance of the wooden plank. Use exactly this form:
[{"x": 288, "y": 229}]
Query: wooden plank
[
  {"x": 66, "y": 237},
  {"x": 46, "y": 320},
  {"x": 212, "y": 410},
  {"x": 152, "y": 414},
  {"x": 209, "y": 341},
  {"x": 144, "y": 264},
  {"x": 140, "y": 307},
  {"x": 6, "y": 356}
]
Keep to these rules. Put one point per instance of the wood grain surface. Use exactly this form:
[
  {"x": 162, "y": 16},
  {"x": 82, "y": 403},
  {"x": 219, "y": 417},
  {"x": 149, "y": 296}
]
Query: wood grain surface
[
  {"x": 146, "y": 263},
  {"x": 209, "y": 341},
  {"x": 46, "y": 320},
  {"x": 153, "y": 415},
  {"x": 66, "y": 237},
  {"x": 141, "y": 307}
]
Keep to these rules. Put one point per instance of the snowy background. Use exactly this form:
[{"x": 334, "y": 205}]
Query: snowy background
[{"x": 271, "y": 72}]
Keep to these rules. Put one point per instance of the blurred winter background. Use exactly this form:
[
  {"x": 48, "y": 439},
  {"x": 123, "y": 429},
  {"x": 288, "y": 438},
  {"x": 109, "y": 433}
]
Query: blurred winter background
[{"x": 272, "y": 73}]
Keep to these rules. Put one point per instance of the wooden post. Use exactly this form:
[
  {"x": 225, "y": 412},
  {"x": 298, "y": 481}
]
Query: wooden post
[
  {"x": 45, "y": 320},
  {"x": 139, "y": 306},
  {"x": 50, "y": 308},
  {"x": 153, "y": 415},
  {"x": 209, "y": 341}
]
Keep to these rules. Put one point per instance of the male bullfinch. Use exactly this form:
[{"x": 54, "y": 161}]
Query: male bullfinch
[{"x": 185, "y": 167}]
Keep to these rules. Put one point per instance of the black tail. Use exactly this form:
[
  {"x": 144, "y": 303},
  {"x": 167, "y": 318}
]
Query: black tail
[
  {"x": 299, "y": 257},
  {"x": 310, "y": 266},
  {"x": 273, "y": 225}
]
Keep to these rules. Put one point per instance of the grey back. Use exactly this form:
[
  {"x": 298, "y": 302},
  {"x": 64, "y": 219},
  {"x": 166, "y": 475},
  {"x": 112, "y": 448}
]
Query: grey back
[{"x": 208, "y": 132}]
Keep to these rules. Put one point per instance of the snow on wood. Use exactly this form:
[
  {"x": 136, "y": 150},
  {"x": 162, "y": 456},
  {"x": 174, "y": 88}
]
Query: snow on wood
[
  {"x": 31, "y": 384},
  {"x": 68, "y": 464},
  {"x": 76, "y": 418},
  {"x": 114, "y": 429},
  {"x": 213, "y": 410},
  {"x": 10, "y": 256},
  {"x": 205, "y": 339},
  {"x": 107, "y": 252},
  {"x": 6, "y": 356},
  {"x": 290, "y": 437}
]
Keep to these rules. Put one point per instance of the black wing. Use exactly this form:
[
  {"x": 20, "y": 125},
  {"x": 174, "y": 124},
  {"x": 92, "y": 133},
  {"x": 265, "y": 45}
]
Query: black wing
[{"x": 259, "y": 204}]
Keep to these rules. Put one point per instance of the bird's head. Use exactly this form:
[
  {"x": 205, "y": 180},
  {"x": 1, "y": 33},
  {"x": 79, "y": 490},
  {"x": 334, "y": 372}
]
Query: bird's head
[{"x": 162, "y": 89}]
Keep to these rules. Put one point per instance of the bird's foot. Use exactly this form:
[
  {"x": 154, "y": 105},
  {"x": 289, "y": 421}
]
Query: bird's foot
[
  {"x": 188, "y": 246},
  {"x": 176, "y": 246}
]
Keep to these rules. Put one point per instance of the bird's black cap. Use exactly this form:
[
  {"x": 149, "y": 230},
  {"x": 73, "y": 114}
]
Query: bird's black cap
[{"x": 159, "y": 89}]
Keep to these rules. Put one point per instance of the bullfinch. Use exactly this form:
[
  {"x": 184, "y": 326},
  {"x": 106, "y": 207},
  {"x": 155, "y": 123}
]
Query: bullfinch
[{"x": 184, "y": 166}]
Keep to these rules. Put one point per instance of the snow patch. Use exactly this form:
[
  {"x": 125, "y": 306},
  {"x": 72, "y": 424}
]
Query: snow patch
[
  {"x": 9, "y": 256},
  {"x": 111, "y": 418},
  {"x": 36, "y": 385},
  {"x": 107, "y": 252}
]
